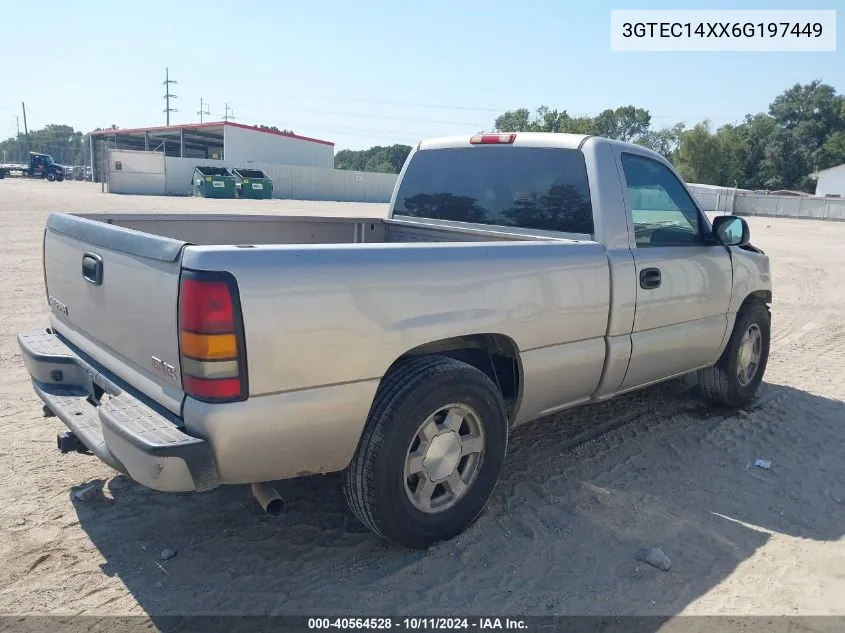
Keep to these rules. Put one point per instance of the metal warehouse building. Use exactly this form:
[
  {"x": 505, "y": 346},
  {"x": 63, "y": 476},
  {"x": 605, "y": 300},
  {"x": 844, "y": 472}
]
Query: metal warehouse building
[
  {"x": 223, "y": 140},
  {"x": 161, "y": 161}
]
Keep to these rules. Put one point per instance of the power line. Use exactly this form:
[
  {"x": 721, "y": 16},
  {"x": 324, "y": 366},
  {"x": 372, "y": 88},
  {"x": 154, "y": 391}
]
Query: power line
[
  {"x": 282, "y": 105},
  {"x": 416, "y": 105},
  {"x": 380, "y": 117},
  {"x": 203, "y": 109},
  {"x": 167, "y": 97},
  {"x": 25, "y": 128}
]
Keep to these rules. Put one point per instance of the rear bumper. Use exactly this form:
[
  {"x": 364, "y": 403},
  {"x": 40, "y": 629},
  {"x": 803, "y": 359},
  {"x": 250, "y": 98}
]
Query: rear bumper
[{"x": 130, "y": 435}]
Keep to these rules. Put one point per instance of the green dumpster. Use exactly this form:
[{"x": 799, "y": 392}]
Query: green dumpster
[
  {"x": 253, "y": 183},
  {"x": 213, "y": 182}
]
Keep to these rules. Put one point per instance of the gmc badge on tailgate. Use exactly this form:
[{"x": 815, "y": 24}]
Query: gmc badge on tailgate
[
  {"x": 162, "y": 367},
  {"x": 57, "y": 305}
]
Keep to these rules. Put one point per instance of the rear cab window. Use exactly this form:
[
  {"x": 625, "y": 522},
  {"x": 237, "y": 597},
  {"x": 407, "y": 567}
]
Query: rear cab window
[{"x": 524, "y": 187}]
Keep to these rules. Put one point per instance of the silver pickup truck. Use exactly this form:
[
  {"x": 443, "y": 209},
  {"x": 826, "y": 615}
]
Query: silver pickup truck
[{"x": 515, "y": 275}]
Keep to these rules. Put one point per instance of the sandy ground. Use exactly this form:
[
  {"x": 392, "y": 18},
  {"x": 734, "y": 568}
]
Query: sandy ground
[{"x": 581, "y": 492}]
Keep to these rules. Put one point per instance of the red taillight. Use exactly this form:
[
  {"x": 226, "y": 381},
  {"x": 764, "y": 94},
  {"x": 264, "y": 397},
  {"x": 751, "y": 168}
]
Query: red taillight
[
  {"x": 492, "y": 139},
  {"x": 206, "y": 307},
  {"x": 212, "y": 355},
  {"x": 223, "y": 389}
]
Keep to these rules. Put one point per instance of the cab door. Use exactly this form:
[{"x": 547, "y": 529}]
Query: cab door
[{"x": 684, "y": 278}]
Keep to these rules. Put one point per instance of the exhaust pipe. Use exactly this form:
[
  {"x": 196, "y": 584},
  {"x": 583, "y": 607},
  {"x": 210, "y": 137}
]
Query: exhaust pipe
[{"x": 270, "y": 500}]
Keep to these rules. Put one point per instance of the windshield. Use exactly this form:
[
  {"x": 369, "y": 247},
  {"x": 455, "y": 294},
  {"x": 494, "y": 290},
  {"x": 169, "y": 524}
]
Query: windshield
[{"x": 525, "y": 187}]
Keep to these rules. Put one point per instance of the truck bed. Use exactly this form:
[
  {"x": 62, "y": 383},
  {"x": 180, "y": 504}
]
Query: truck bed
[{"x": 240, "y": 229}]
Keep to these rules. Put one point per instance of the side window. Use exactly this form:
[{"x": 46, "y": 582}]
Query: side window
[{"x": 664, "y": 213}]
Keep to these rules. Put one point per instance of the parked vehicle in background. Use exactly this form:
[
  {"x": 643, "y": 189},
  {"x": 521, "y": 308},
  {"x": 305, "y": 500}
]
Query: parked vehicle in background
[
  {"x": 39, "y": 166},
  {"x": 516, "y": 275}
]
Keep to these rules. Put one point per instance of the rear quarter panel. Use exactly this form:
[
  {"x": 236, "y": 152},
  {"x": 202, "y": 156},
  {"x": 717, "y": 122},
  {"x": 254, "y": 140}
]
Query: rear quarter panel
[{"x": 323, "y": 315}]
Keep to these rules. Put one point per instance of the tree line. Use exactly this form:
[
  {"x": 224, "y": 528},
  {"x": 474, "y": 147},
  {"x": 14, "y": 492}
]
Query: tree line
[
  {"x": 802, "y": 132},
  {"x": 387, "y": 160},
  {"x": 66, "y": 145}
]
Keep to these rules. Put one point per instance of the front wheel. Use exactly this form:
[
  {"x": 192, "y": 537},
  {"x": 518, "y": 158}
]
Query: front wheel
[
  {"x": 51, "y": 177},
  {"x": 431, "y": 452},
  {"x": 735, "y": 378}
]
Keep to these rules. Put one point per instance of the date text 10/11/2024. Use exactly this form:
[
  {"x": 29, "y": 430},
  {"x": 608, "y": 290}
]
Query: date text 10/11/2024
[{"x": 418, "y": 624}]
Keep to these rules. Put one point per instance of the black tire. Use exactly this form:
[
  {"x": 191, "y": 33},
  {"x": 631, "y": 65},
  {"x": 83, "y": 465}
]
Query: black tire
[
  {"x": 720, "y": 384},
  {"x": 51, "y": 177},
  {"x": 375, "y": 485},
  {"x": 59, "y": 177}
]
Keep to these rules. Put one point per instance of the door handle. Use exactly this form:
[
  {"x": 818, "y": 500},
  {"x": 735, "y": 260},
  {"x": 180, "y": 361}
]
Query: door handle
[
  {"x": 92, "y": 268},
  {"x": 649, "y": 278}
]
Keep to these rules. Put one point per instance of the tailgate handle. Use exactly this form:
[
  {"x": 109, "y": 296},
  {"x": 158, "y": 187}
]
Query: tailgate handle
[{"x": 92, "y": 268}]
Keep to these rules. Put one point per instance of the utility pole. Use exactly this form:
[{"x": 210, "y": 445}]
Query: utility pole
[
  {"x": 18, "y": 139},
  {"x": 228, "y": 116},
  {"x": 168, "y": 96},
  {"x": 25, "y": 129},
  {"x": 203, "y": 109}
]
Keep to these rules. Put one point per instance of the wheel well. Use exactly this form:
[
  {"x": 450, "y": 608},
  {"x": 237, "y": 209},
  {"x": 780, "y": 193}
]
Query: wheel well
[
  {"x": 494, "y": 354},
  {"x": 760, "y": 295}
]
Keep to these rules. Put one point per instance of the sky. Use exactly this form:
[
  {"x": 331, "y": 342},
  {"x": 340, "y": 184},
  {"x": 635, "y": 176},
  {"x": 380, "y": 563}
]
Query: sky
[{"x": 371, "y": 72}]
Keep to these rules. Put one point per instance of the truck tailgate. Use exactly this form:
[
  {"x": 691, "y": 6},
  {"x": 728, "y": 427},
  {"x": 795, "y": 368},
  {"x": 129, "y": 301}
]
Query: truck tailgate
[{"x": 113, "y": 293}]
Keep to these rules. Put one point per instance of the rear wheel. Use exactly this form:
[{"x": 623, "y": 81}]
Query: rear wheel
[
  {"x": 431, "y": 452},
  {"x": 735, "y": 378}
]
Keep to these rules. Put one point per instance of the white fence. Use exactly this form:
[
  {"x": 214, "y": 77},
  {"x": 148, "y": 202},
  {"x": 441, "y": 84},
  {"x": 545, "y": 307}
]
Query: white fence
[
  {"x": 744, "y": 202},
  {"x": 713, "y": 199},
  {"x": 150, "y": 173},
  {"x": 790, "y": 207}
]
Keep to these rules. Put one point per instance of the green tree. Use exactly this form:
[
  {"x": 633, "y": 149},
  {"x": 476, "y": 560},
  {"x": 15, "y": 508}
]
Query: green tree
[
  {"x": 699, "y": 155},
  {"x": 624, "y": 124},
  {"x": 62, "y": 142},
  {"x": 814, "y": 106},
  {"x": 273, "y": 128},
  {"x": 803, "y": 131},
  {"x": 664, "y": 141},
  {"x": 377, "y": 159},
  {"x": 519, "y": 121},
  {"x": 832, "y": 153}
]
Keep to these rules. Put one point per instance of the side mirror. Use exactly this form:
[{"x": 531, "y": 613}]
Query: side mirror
[{"x": 731, "y": 230}]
